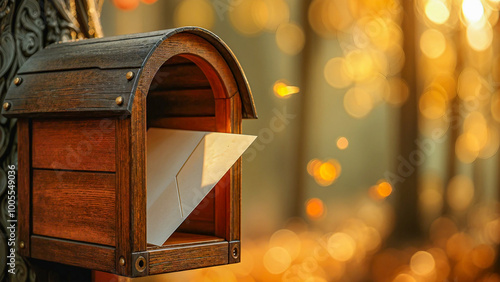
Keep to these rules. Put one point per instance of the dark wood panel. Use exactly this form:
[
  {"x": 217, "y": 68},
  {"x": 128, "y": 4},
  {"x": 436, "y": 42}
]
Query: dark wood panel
[
  {"x": 182, "y": 76},
  {"x": 127, "y": 51},
  {"x": 188, "y": 257},
  {"x": 181, "y": 103},
  {"x": 78, "y": 206},
  {"x": 76, "y": 92},
  {"x": 24, "y": 191},
  {"x": 123, "y": 234},
  {"x": 74, "y": 144},
  {"x": 186, "y": 123},
  {"x": 202, "y": 219},
  {"x": 73, "y": 253}
]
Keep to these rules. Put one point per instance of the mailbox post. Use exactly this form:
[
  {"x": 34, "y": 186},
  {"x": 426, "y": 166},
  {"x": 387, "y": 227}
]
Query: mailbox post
[{"x": 84, "y": 109}]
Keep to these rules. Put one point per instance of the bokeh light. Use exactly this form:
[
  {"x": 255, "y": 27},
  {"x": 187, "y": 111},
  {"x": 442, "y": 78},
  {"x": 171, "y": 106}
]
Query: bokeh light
[
  {"x": 337, "y": 73},
  {"x": 382, "y": 190},
  {"x": 126, "y": 4},
  {"x": 472, "y": 10},
  {"x": 194, "y": 13},
  {"x": 432, "y": 43},
  {"x": 341, "y": 246},
  {"x": 290, "y": 38},
  {"x": 276, "y": 260},
  {"x": 342, "y": 143},
  {"x": 358, "y": 102},
  {"x": 249, "y": 17},
  {"x": 422, "y": 263},
  {"x": 437, "y": 11},
  {"x": 460, "y": 192},
  {"x": 283, "y": 90},
  {"x": 315, "y": 208}
]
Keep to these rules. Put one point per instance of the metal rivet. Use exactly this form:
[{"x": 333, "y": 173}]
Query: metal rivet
[
  {"x": 130, "y": 75},
  {"x": 122, "y": 261},
  {"x": 21, "y": 244},
  {"x": 140, "y": 264},
  {"x": 18, "y": 81},
  {"x": 119, "y": 100},
  {"x": 6, "y": 106},
  {"x": 235, "y": 253}
]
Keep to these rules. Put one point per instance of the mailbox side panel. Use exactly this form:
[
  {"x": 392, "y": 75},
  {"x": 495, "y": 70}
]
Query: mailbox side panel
[{"x": 24, "y": 183}]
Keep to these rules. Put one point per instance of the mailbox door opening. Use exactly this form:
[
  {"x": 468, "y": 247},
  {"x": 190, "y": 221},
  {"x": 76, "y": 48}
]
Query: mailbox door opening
[{"x": 182, "y": 97}]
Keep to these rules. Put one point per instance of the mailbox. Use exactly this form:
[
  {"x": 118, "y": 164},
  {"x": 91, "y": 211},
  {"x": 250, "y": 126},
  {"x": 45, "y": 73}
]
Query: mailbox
[{"x": 84, "y": 109}]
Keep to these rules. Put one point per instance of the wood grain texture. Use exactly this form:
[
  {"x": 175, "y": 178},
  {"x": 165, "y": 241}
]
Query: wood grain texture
[
  {"x": 114, "y": 53},
  {"x": 138, "y": 174},
  {"x": 74, "y": 144},
  {"x": 78, "y": 206},
  {"x": 24, "y": 188},
  {"x": 188, "y": 257},
  {"x": 73, "y": 253},
  {"x": 186, "y": 123},
  {"x": 123, "y": 234},
  {"x": 87, "y": 92},
  {"x": 184, "y": 239},
  {"x": 181, "y": 103},
  {"x": 179, "y": 76}
]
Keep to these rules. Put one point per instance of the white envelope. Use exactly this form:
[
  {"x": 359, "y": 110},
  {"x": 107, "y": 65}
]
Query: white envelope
[{"x": 182, "y": 168}]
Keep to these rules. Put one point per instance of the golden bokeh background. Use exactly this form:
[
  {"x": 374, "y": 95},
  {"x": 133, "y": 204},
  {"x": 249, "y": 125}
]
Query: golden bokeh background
[{"x": 378, "y": 135}]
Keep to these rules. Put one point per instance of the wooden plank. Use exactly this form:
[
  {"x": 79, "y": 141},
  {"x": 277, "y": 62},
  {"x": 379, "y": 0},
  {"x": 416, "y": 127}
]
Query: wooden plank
[
  {"x": 110, "y": 52},
  {"x": 183, "y": 76},
  {"x": 24, "y": 189},
  {"x": 74, "y": 144},
  {"x": 183, "y": 239},
  {"x": 186, "y": 123},
  {"x": 73, "y": 253},
  {"x": 138, "y": 174},
  {"x": 81, "y": 93},
  {"x": 181, "y": 103},
  {"x": 123, "y": 245},
  {"x": 234, "y": 219},
  {"x": 78, "y": 206},
  {"x": 187, "y": 257}
]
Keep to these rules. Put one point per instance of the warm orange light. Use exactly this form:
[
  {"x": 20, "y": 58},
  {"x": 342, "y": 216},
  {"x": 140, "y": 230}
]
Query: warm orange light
[
  {"x": 432, "y": 43},
  {"x": 437, "y": 11},
  {"x": 315, "y": 208},
  {"x": 337, "y": 73},
  {"x": 283, "y": 90},
  {"x": 328, "y": 172},
  {"x": 290, "y": 38},
  {"x": 422, "y": 263},
  {"x": 148, "y": 1},
  {"x": 341, "y": 246},
  {"x": 342, "y": 143},
  {"x": 381, "y": 191},
  {"x": 126, "y": 4},
  {"x": 472, "y": 10}
]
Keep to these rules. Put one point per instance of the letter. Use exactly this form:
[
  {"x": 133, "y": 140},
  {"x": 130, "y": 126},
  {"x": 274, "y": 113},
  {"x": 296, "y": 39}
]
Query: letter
[{"x": 12, "y": 271}]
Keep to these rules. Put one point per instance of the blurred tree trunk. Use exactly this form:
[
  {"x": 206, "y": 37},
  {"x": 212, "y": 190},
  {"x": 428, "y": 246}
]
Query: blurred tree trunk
[
  {"x": 407, "y": 223},
  {"x": 26, "y": 26}
]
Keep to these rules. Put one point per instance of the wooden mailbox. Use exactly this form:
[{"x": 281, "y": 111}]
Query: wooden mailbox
[{"x": 84, "y": 108}]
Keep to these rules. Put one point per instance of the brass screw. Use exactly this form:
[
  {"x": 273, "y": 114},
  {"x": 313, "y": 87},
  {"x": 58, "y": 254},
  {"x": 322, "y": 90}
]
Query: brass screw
[
  {"x": 119, "y": 100},
  {"x": 18, "y": 81},
  {"x": 21, "y": 244},
  {"x": 122, "y": 261},
  {"x": 6, "y": 106},
  {"x": 130, "y": 75}
]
